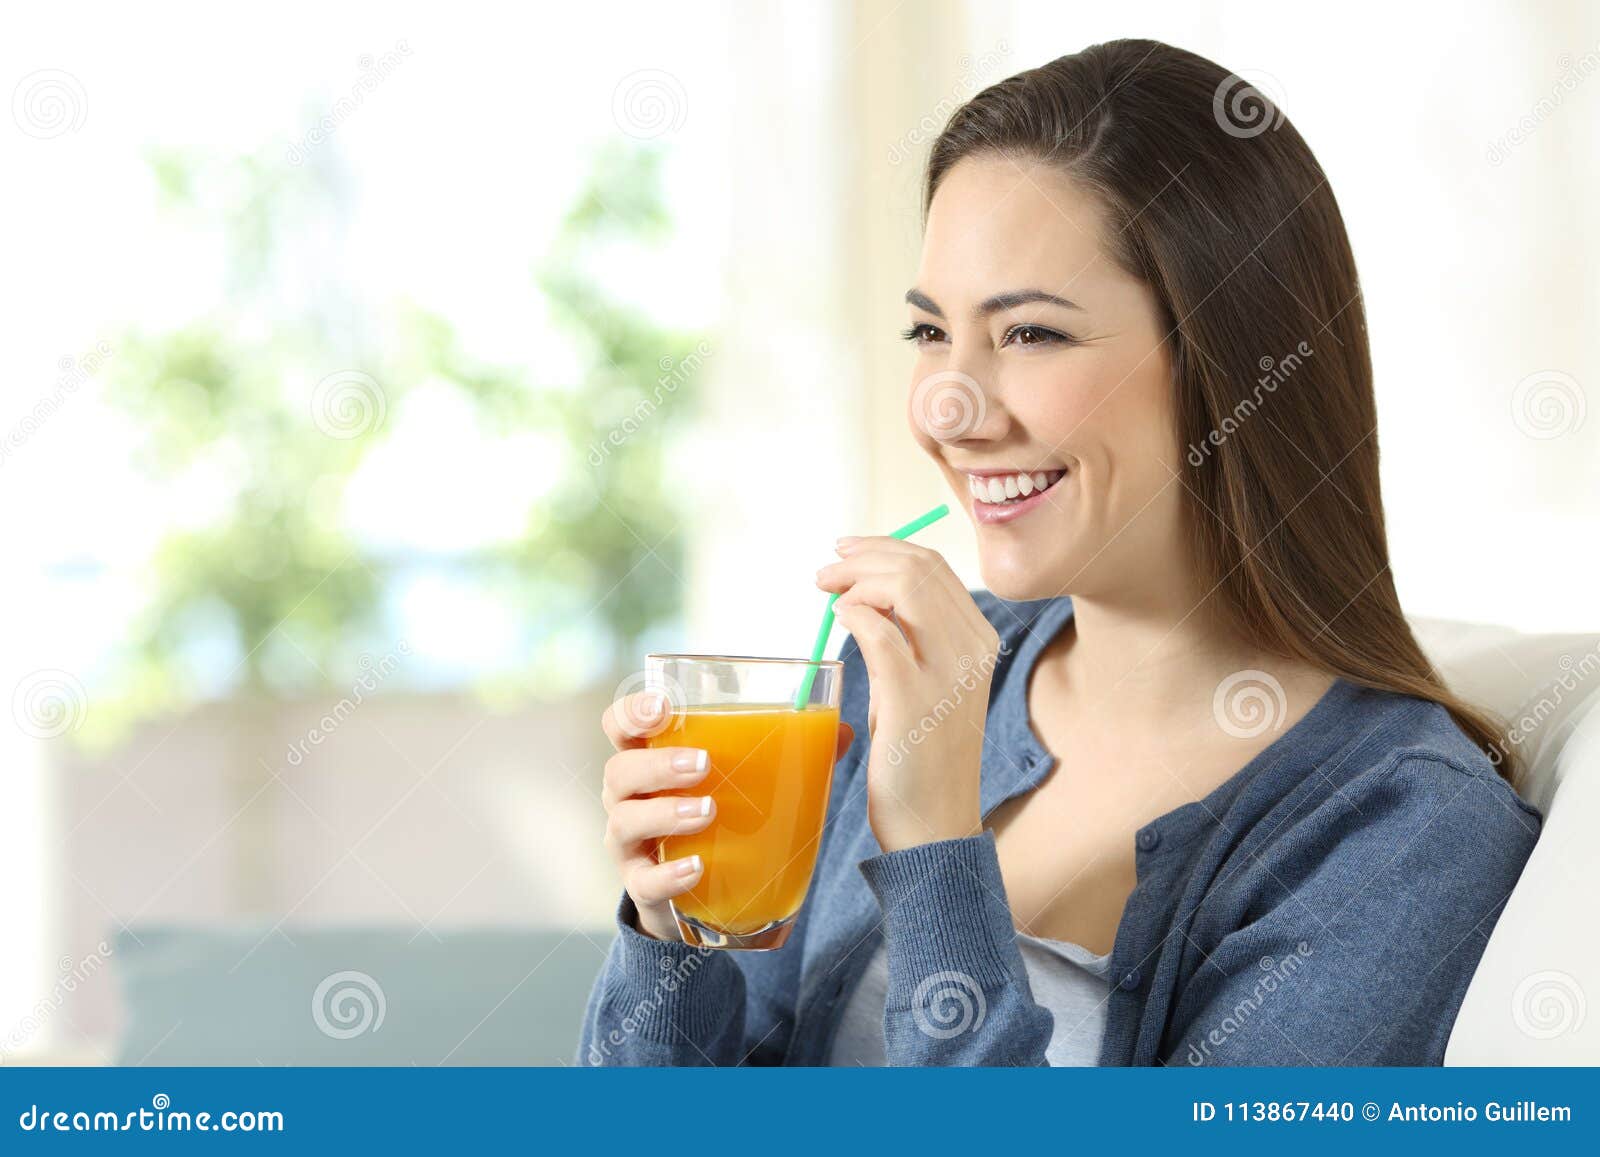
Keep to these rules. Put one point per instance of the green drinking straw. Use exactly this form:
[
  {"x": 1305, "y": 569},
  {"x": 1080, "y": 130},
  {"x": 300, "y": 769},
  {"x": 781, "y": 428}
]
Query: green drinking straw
[{"x": 826, "y": 628}]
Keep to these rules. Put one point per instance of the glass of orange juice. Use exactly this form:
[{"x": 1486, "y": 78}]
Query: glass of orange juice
[{"x": 771, "y": 770}]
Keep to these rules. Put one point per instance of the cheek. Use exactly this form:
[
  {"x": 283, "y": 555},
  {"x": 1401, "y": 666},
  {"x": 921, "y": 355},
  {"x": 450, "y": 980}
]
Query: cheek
[
  {"x": 1054, "y": 405},
  {"x": 1129, "y": 408}
]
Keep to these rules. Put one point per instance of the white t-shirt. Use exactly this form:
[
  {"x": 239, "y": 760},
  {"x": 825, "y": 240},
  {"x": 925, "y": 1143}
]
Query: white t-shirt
[{"x": 1066, "y": 978}]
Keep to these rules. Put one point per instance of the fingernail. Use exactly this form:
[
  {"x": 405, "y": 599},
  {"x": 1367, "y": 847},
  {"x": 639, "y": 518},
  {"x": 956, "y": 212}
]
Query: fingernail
[
  {"x": 847, "y": 541},
  {"x": 689, "y": 762},
  {"x": 695, "y": 808},
  {"x": 686, "y": 867}
]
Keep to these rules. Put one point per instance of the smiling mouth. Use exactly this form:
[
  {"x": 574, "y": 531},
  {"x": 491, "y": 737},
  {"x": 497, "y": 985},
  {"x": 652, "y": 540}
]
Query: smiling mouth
[{"x": 1009, "y": 489}]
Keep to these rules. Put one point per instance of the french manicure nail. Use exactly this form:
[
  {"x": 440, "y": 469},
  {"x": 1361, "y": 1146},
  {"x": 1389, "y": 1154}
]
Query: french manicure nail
[
  {"x": 689, "y": 762},
  {"x": 687, "y": 866},
  {"x": 695, "y": 808}
]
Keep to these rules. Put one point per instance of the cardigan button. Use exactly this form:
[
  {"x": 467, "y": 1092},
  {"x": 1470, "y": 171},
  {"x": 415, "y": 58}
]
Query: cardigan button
[
  {"x": 1132, "y": 979},
  {"x": 1149, "y": 840}
]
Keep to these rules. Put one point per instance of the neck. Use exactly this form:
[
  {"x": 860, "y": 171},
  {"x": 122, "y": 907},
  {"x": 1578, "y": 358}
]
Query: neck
[{"x": 1150, "y": 654}]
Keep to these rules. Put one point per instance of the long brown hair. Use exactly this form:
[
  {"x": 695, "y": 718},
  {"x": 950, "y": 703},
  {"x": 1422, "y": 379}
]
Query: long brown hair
[{"x": 1215, "y": 201}]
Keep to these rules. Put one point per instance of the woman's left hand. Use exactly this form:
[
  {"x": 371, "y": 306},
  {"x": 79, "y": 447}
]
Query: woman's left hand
[{"x": 930, "y": 656}]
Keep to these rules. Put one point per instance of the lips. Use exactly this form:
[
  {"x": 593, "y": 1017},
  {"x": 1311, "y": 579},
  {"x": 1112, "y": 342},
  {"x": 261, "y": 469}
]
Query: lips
[{"x": 1004, "y": 496}]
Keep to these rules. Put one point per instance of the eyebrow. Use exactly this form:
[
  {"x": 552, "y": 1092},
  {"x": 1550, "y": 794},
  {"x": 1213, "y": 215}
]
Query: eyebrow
[{"x": 993, "y": 304}]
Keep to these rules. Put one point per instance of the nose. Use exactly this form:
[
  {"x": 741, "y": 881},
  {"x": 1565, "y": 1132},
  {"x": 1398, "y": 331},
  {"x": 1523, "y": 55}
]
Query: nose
[{"x": 952, "y": 405}]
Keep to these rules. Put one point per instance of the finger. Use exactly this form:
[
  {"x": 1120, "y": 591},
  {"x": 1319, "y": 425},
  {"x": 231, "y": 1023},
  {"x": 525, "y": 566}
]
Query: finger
[
  {"x": 847, "y": 547},
  {"x": 945, "y": 635},
  {"x": 923, "y": 574},
  {"x": 892, "y": 552},
  {"x": 633, "y": 821},
  {"x": 914, "y": 599},
  {"x": 883, "y": 647},
  {"x": 933, "y": 563},
  {"x": 923, "y": 615},
  {"x": 638, "y": 771},
  {"x": 929, "y": 566},
  {"x": 847, "y": 736},
  {"x": 632, "y": 720},
  {"x": 906, "y": 576},
  {"x": 652, "y": 883},
  {"x": 837, "y": 576},
  {"x": 926, "y": 556},
  {"x": 921, "y": 558}
]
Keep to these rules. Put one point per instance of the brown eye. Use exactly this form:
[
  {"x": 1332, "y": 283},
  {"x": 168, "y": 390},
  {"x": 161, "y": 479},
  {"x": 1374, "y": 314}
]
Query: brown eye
[
  {"x": 923, "y": 333},
  {"x": 1032, "y": 335}
]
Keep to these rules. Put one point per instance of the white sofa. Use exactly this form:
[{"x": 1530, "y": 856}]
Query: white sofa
[{"x": 1529, "y": 1000}]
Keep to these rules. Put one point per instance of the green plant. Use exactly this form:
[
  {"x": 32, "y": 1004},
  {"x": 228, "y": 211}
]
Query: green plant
[{"x": 223, "y": 408}]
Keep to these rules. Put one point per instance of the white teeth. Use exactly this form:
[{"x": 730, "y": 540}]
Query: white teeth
[{"x": 998, "y": 488}]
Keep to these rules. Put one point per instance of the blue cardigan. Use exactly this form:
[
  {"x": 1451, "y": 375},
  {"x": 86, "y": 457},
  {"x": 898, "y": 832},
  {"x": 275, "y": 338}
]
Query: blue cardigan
[{"x": 1327, "y": 905}]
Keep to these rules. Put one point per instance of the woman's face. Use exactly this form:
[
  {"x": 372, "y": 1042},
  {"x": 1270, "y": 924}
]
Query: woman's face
[{"x": 1040, "y": 360}]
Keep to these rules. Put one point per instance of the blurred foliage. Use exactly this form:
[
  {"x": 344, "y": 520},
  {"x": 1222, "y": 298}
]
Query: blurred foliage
[{"x": 265, "y": 571}]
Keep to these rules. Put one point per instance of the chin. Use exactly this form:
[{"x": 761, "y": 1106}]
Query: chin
[{"x": 1018, "y": 580}]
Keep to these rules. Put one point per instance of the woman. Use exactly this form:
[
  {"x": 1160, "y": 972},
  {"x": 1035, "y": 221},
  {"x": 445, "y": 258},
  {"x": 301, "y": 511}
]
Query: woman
[{"x": 1182, "y": 789}]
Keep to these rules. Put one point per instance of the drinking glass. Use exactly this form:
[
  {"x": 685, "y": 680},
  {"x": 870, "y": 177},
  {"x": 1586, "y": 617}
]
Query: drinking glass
[{"x": 771, "y": 767}]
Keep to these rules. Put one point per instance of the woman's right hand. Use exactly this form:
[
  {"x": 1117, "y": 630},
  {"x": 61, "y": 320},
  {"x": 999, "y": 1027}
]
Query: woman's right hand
[{"x": 637, "y": 818}]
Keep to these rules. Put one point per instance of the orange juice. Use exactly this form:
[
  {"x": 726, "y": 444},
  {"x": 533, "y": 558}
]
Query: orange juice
[{"x": 771, "y": 767}]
